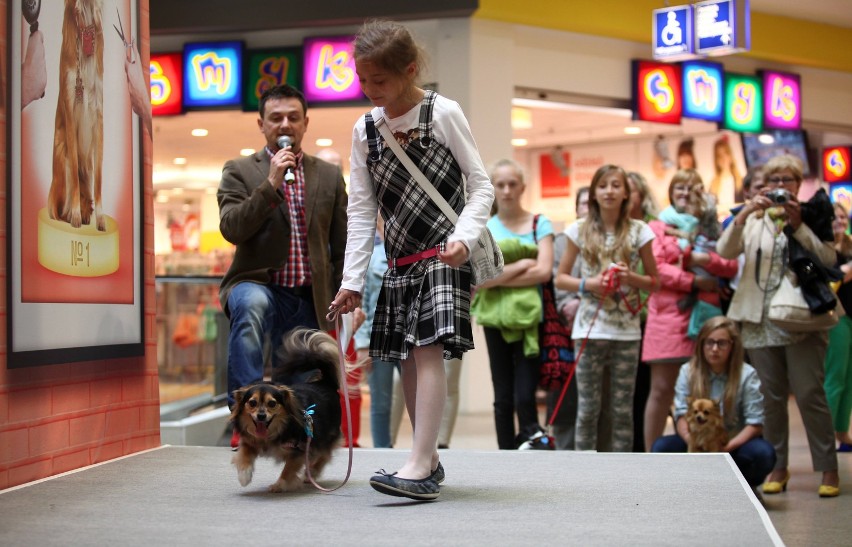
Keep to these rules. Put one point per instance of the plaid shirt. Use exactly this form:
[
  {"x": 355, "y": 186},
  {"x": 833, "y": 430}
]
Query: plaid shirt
[{"x": 297, "y": 271}]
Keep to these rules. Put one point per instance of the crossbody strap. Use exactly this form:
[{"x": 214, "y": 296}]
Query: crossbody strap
[{"x": 418, "y": 175}]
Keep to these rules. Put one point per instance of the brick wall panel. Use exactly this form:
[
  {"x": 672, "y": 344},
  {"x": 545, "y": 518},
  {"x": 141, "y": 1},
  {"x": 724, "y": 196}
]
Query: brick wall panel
[
  {"x": 49, "y": 437},
  {"x": 108, "y": 451},
  {"x": 71, "y": 461},
  {"x": 105, "y": 392},
  {"x": 121, "y": 423},
  {"x": 14, "y": 445},
  {"x": 29, "y": 405},
  {"x": 70, "y": 398},
  {"x": 87, "y": 429},
  {"x": 30, "y": 471}
]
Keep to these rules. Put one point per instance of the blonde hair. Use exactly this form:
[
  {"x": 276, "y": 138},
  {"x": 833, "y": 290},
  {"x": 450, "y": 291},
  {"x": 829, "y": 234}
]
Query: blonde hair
[
  {"x": 649, "y": 204},
  {"x": 782, "y": 162},
  {"x": 593, "y": 232},
  {"x": 843, "y": 242},
  {"x": 699, "y": 369},
  {"x": 715, "y": 184},
  {"x": 390, "y": 46}
]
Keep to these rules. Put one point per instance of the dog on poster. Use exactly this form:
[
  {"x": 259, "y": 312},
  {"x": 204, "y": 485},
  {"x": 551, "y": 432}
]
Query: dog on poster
[
  {"x": 274, "y": 418},
  {"x": 706, "y": 426},
  {"x": 78, "y": 141}
]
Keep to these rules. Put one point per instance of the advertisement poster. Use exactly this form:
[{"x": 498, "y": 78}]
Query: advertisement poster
[{"x": 75, "y": 177}]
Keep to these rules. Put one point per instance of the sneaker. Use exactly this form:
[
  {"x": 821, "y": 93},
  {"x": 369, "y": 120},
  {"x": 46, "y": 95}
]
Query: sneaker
[
  {"x": 420, "y": 490},
  {"x": 438, "y": 474}
]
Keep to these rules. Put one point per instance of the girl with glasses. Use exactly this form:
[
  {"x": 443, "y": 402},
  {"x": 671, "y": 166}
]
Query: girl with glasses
[{"x": 717, "y": 371}]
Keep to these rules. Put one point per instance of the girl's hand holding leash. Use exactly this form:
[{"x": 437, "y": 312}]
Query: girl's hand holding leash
[{"x": 345, "y": 302}]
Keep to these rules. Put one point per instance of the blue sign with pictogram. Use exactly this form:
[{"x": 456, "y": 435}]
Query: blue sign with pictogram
[
  {"x": 721, "y": 26},
  {"x": 673, "y": 39}
]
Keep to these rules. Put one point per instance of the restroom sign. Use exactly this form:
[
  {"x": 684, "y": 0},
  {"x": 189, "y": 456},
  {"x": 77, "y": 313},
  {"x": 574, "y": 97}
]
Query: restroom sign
[
  {"x": 722, "y": 27},
  {"x": 673, "y": 38}
]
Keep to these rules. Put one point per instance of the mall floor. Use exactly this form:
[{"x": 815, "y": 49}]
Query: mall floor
[{"x": 799, "y": 515}]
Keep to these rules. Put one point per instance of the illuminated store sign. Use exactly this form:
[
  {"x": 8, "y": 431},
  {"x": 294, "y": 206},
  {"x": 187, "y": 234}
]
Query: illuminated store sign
[
  {"x": 166, "y": 84},
  {"x": 212, "y": 74},
  {"x": 330, "y": 70},
  {"x": 835, "y": 164},
  {"x": 657, "y": 93},
  {"x": 703, "y": 90},
  {"x": 673, "y": 38},
  {"x": 268, "y": 68},
  {"x": 743, "y": 103},
  {"x": 842, "y": 194},
  {"x": 721, "y": 27},
  {"x": 782, "y": 100}
]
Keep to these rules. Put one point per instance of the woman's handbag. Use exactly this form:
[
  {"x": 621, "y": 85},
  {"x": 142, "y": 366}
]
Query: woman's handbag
[
  {"x": 486, "y": 260},
  {"x": 790, "y": 311},
  {"x": 554, "y": 339}
]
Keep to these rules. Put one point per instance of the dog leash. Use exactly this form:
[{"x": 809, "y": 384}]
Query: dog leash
[
  {"x": 613, "y": 285},
  {"x": 334, "y": 317}
]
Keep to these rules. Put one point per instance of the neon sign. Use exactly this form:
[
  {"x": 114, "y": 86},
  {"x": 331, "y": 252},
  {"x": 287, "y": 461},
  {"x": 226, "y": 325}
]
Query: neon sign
[
  {"x": 783, "y": 100},
  {"x": 657, "y": 93},
  {"x": 329, "y": 72},
  {"x": 744, "y": 103},
  {"x": 213, "y": 74},
  {"x": 703, "y": 91},
  {"x": 835, "y": 164},
  {"x": 166, "y": 84},
  {"x": 268, "y": 68}
]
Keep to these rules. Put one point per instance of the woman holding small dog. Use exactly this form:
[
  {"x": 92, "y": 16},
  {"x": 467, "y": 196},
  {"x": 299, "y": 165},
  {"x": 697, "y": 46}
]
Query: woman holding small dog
[
  {"x": 786, "y": 361},
  {"x": 717, "y": 372},
  {"x": 423, "y": 311}
]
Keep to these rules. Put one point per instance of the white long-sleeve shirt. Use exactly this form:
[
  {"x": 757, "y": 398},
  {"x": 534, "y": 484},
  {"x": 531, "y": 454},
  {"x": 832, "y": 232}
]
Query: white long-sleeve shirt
[{"x": 449, "y": 128}]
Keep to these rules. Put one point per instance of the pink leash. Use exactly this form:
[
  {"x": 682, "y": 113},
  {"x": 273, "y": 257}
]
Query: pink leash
[{"x": 333, "y": 316}]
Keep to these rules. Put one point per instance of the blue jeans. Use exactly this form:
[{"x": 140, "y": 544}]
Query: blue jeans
[
  {"x": 381, "y": 395},
  {"x": 261, "y": 313},
  {"x": 755, "y": 459}
]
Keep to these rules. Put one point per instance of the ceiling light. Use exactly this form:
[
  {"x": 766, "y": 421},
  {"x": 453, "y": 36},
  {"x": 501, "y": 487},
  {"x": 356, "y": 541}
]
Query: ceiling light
[
  {"x": 632, "y": 130},
  {"x": 521, "y": 118},
  {"x": 162, "y": 197},
  {"x": 324, "y": 142},
  {"x": 179, "y": 161},
  {"x": 247, "y": 151},
  {"x": 519, "y": 142},
  {"x": 199, "y": 132},
  {"x": 766, "y": 138}
]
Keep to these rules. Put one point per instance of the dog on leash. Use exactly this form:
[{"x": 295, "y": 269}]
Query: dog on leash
[
  {"x": 274, "y": 418},
  {"x": 706, "y": 426},
  {"x": 78, "y": 139}
]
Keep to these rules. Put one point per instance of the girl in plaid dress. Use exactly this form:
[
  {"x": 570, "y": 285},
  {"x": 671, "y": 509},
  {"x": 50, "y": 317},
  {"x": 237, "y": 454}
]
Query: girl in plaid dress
[{"x": 423, "y": 310}]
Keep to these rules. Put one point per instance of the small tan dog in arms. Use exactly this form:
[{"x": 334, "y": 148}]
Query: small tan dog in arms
[
  {"x": 78, "y": 141},
  {"x": 706, "y": 427}
]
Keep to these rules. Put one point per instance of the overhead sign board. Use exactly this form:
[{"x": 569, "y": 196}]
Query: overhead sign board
[
  {"x": 703, "y": 90},
  {"x": 166, "y": 84},
  {"x": 330, "y": 70},
  {"x": 743, "y": 103},
  {"x": 835, "y": 164},
  {"x": 722, "y": 27},
  {"x": 212, "y": 74},
  {"x": 782, "y": 108},
  {"x": 657, "y": 95},
  {"x": 268, "y": 68},
  {"x": 673, "y": 39}
]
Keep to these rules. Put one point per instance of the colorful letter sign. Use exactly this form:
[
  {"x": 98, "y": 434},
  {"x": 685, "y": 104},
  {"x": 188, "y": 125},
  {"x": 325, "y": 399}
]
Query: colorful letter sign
[
  {"x": 673, "y": 38},
  {"x": 657, "y": 93},
  {"x": 835, "y": 164},
  {"x": 703, "y": 90},
  {"x": 212, "y": 74},
  {"x": 782, "y": 100},
  {"x": 743, "y": 103},
  {"x": 268, "y": 68},
  {"x": 842, "y": 194},
  {"x": 330, "y": 70},
  {"x": 166, "y": 84}
]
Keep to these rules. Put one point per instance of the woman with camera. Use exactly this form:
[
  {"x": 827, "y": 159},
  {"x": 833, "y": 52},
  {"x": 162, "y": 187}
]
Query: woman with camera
[{"x": 786, "y": 361}]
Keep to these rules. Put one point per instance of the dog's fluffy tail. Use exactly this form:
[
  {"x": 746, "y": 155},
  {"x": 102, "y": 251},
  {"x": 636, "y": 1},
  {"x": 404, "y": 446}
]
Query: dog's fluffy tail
[{"x": 308, "y": 356}]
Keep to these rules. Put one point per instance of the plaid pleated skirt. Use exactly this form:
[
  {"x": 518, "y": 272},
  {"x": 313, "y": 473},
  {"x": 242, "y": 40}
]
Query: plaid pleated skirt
[{"x": 426, "y": 302}]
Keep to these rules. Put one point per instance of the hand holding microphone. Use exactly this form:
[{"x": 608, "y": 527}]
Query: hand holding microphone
[{"x": 286, "y": 142}]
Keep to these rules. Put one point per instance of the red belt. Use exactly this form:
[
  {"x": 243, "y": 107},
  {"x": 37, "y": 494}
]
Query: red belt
[{"x": 411, "y": 259}]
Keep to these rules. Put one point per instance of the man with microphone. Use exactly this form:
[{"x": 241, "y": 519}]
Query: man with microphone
[{"x": 286, "y": 213}]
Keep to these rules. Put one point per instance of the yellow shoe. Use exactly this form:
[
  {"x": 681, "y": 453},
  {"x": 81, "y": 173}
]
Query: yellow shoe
[
  {"x": 776, "y": 487},
  {"x": 827, "y": 491}
]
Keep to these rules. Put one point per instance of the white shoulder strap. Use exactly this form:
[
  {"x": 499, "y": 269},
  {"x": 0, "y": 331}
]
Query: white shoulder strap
[{"x": 418, "y": 175}]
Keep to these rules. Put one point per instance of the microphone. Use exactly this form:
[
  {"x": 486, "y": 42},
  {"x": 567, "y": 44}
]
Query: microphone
[{"x": 286, "y": 142}]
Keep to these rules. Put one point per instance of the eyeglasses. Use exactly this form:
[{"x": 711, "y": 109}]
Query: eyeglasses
[
  {"x": 721, "y": 344},
  {"x": 780, "y": 180}
]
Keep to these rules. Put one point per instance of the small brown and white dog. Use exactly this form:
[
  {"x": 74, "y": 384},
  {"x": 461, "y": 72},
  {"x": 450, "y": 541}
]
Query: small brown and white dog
[
  {"x": 271, "y": 416},
  {"x": 78, "y": 139},
  {"x": 706, "y": 426}
]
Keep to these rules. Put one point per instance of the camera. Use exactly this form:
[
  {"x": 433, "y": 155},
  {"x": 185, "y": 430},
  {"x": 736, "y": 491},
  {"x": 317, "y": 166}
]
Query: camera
[{"x": 779, "y": 196}]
